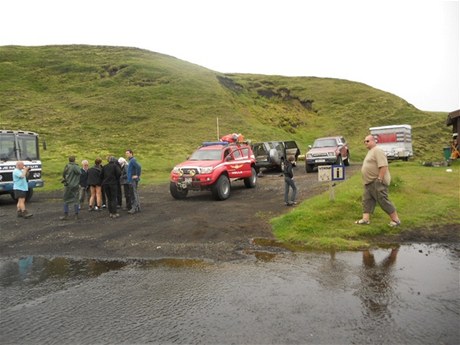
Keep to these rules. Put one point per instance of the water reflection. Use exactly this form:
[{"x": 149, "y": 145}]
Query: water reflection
[
  {"x": 377, "y": 282},
  {"x": 33, "y": 270},
  {"x": 396, "y": 295}
]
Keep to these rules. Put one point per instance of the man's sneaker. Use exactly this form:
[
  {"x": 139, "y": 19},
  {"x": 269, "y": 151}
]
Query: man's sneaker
[
  {"x": 19, "y": 214},
  {"x": 64, "y": 217},
  {"x": 26, "y": 214},
  {"x": 394, "y": 223},
  {"x": 132, "y": 211}
]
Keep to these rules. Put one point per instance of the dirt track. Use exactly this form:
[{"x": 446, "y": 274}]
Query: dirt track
[{"x": 197, "y": 227}]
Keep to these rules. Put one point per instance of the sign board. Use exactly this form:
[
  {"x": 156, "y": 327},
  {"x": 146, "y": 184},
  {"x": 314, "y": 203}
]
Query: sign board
[
  {"x": 338, "y": 172},
  {"x": 324, "y": 173}
]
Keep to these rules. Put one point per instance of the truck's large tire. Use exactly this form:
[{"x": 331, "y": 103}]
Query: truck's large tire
[
  {"x": 250, "y": 182},
  {"x": 309, "y": 167},
  {"x": 346, "y": 161},
  {"x": 221, "y": 189},
  {"x": 177, "y": 193}
]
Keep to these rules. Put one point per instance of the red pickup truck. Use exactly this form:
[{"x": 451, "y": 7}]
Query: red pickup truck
[{"x": 212, "y": 167}]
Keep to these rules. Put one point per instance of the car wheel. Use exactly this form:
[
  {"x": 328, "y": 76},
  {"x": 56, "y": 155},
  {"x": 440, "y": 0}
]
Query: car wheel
[
  {"x": 221, "y": 189},
  {"x": 309, "y": 167},
  {"x": 346, "y": 161},
  {"x": 177, "y": 193},
  {"x": 250, "y": 182}
]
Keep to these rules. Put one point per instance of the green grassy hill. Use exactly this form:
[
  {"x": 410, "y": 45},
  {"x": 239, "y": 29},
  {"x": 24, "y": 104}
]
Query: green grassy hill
[{"x": 92, "y": 101}]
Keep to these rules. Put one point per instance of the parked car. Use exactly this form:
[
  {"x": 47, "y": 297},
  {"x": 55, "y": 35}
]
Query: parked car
[
  {"x": 273, "y": 154},
  {"x": 327, "y": 151}
]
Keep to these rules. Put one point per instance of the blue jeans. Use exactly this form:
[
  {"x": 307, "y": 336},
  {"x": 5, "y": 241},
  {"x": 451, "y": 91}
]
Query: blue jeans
[
  {"x": 135, "y": 204},
  {"x": 289, "y": 183}
]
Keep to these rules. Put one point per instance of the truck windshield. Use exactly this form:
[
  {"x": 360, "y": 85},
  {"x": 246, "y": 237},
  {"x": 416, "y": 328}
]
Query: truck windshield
[
  {"x": 18, "y": 147},
  {"x": 325, "y": 143},
  {"x": 28, "y": 147},
  {"x": 206, "y": 155},
  {"x": 7, "y": 147}
]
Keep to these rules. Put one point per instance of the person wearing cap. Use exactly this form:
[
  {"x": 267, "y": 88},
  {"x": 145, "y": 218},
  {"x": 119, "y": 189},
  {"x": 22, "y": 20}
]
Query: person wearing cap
[{"x": 71, "y": 181}]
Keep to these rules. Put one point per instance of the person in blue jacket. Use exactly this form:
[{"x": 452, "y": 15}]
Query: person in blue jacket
[{"x": 134, "y": 175}]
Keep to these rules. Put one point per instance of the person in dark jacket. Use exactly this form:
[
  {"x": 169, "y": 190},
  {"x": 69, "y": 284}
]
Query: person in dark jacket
[
  {"x": 289, "y": 182},
  {"x": 95, "y": 183},
  {"x": 71, "y": 180},
  {"x": 110, "y": 176}
]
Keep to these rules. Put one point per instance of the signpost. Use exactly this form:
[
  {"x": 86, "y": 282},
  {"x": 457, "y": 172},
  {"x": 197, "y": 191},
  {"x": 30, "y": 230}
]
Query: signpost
[{"x": 331, "y": 173}]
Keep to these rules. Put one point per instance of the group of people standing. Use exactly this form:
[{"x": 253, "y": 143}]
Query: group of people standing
[{"x": 101, "y": 185}]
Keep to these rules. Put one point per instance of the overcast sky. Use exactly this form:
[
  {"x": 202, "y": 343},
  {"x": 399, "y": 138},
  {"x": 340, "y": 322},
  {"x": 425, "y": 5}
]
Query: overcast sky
[{"x": 408, "y": 48}]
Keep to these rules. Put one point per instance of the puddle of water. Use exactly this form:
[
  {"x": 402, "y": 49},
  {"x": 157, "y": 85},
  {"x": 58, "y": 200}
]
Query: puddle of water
[
  {"x": 32, "y": 270},
  {"x": 407, "y": 294}
]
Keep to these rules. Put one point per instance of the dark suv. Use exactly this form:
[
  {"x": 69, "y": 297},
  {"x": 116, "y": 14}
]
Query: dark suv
[
  {"x": 273, "y": 154},
  {"x": 327, "y": 151}
]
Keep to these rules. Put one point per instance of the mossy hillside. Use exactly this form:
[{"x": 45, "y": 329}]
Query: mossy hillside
[{"x": 92, "y": 101}]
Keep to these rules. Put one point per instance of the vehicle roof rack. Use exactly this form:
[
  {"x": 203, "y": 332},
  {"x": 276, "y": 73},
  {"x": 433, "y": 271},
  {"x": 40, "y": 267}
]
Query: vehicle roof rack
[{"x": 211, "y": 143}]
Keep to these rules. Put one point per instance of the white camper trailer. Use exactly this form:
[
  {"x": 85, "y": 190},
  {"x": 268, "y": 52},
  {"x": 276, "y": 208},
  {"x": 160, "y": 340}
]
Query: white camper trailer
[{"x": 395, "y": 141}]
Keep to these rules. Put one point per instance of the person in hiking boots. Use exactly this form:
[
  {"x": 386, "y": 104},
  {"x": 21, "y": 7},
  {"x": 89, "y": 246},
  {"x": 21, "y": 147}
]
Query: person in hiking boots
[
  {"x": 376, "y": 179},
  {"x": 289, "y": 183},
  {"x": 20, "y": 188},
  {"x": 71, "y": 181}
]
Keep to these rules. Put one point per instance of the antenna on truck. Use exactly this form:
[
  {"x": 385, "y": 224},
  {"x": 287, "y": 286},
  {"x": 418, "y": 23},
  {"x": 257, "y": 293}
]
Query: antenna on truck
[{"x": 217, "y": 125}]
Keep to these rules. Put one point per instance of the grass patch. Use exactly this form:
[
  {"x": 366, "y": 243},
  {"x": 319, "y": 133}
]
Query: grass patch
[{"x": 424, "y": 196}]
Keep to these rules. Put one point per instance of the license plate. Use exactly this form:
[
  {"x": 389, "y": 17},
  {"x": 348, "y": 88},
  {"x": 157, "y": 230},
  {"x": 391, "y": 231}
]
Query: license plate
[
  {"x": 320, "y": 160},
  {"x": 188, "y": 180}
]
